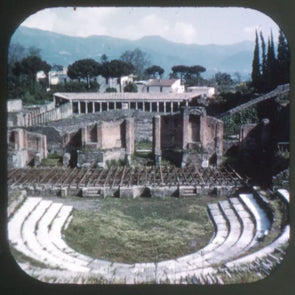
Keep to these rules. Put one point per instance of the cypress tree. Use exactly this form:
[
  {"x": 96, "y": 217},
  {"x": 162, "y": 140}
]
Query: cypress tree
[
  {"x": 271, "y": 76},
  {"x": 263, "y": 65},
  {"x": 283, "y": 59},
  {"x": 256, "y": 75}
]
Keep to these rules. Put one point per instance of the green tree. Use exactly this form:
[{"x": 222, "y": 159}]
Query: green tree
[
  {"x": 116, "y": 69},
  {"x": 104, "y": 58},
  {"x": 138, "y": 58},
  {"x": 84, "y": 69},
  {"x": 153, "y": 70},
  {"x": 30, "y": 66},
  {"x": 130, "y": 87},
  {"x": 283, "y": 58},
  {"x": 16, "y": 53},
  {"x": 223, "y": 81},
  {"x": 180, "y": 71},
  {"x": 193, "y": 74},
  {"x": 271, "y": 74},
  {"x": 256, "y": 74}
]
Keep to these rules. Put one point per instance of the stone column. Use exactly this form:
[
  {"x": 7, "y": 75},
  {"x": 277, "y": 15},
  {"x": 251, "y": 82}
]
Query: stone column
[
  {"x": 115, "y": 105},
  {"x": 178, "y": 105},
  {"x": 93, "y": 107},
  {"x": 108, "y": 106},
  {"x": 157, "y": 139},
  {"x": 86, "y": 107},
  {"x": 84, "y": 136},
  {"x": 185, "y": 124},
  {"x": 171, "y": 107},
  {"x": 143, "y": 106},
  {"x": 157, "y": 106},
  {"x": 164, "y": 106},
  {"x": 79, "y": 107},
  {"x": 129, "y": 138},
  {"x": 100, "y": 106},
  {"x": 151, "y": 107}
]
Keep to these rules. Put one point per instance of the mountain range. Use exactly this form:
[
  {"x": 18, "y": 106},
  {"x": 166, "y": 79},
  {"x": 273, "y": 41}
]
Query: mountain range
[{"x": 64, "y": 50}]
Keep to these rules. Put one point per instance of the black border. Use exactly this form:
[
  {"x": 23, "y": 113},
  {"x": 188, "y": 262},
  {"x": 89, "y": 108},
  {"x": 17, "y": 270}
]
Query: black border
[{"x": 13, "y": 280}]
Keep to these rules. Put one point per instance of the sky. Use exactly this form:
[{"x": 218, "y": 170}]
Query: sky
[{"x": 182, "y": 25}]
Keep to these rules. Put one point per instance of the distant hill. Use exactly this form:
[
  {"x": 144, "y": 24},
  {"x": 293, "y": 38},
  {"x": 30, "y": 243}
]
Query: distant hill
[{"x": 64, "y": 50}]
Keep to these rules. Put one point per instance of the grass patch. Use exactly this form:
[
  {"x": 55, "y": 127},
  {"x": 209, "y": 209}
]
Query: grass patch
[
  {"x": 141, "y": 230},
  {"x": 52, "y": 160}
]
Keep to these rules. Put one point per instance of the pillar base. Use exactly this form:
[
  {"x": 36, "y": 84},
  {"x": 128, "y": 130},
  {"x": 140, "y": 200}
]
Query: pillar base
[{"x": 157, "y": 160}]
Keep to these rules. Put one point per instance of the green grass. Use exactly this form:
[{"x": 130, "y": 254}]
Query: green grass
[
  {"x": 52, "y": 160},
  {"x": 141, "y": 230}
]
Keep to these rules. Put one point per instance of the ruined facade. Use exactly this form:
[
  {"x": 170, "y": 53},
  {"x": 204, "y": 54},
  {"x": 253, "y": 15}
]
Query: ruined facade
[
  {"x": 19, "y": 116},
  {"x": 25, "y": 148},
  {"x": 188, "y": 137},
  {"x": 105, "y": 141}
]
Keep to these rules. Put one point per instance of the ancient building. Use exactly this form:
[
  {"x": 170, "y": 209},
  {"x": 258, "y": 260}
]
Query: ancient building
[
  {"x": 19, "y": 116},
  {"x": 84, "y": 103},
  {"x": 188, "y": 137},
  {"x": 25, "y": 148},
  {"x": 106, "y": 141}
]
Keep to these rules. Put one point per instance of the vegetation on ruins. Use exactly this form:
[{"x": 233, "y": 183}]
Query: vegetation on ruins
[{"x": 141, "y": 230}]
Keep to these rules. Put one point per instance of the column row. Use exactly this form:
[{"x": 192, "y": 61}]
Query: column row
[{"x": 85, "y": 107}]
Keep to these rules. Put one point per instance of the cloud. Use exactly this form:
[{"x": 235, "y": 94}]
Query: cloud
[{"x": 251, "y": 29}]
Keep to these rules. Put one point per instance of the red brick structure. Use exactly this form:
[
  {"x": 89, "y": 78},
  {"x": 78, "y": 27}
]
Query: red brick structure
[
  {"x": 107, "y": 141},
  {"x": 188, "y": 136}
]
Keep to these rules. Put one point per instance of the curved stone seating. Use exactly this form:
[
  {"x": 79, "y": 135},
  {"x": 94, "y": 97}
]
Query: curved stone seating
[
  {"x": 262, "y": 222},
  {"x": 284, "y": 193},
  {"x": 248, "y": 226},
  {"x": 47, "y": 242},
  {"x": 36, "y": 230},
  {"x": 280, "y": 241},
  {"x": 16, "y": 223}
]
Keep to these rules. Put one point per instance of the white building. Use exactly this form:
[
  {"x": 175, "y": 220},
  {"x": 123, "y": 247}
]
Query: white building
[
  {"x": 161, "y": 86},
  {"x": 202, "y": 90}
]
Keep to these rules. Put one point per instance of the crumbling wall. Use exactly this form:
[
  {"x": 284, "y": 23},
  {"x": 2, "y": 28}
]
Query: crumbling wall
[
  {"x": 110, "y": 135},
  {"x": 106, "y": 141},
  {"x": 14, "y": 105},
  {"x": 190, "y": 133},
  {"x": 25, "y": 147},
  {"x": 211, "y": 134}
]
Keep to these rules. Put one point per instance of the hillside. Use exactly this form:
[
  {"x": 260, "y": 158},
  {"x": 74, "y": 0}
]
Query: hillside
[{"x": 64, "y": 50}]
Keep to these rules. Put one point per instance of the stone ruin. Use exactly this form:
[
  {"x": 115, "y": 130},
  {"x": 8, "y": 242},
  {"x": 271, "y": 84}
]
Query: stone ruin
[
  {"x": 106, "y": 141},
  {"x": 25, "y": 147},
  {"x": 188, "y": 137},
  {"x": 184, "y": 137}
]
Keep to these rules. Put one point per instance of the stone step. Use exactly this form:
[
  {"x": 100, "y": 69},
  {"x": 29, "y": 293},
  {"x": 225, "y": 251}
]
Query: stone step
[
  {"x": 55, "y": 234},
  {"x": 43, "y": 237},
  {"x": 15, "y": 224},
  {"x": 262, "y": 223}
]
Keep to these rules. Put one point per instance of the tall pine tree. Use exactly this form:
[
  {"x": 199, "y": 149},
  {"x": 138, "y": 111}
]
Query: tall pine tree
[
  {"x": 256, "y": 75},
  {"x": 283, "y": 59}
]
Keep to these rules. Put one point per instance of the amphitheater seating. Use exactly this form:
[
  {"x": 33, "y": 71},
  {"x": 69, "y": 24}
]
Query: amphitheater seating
[{"x": 36, "y": 230}]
